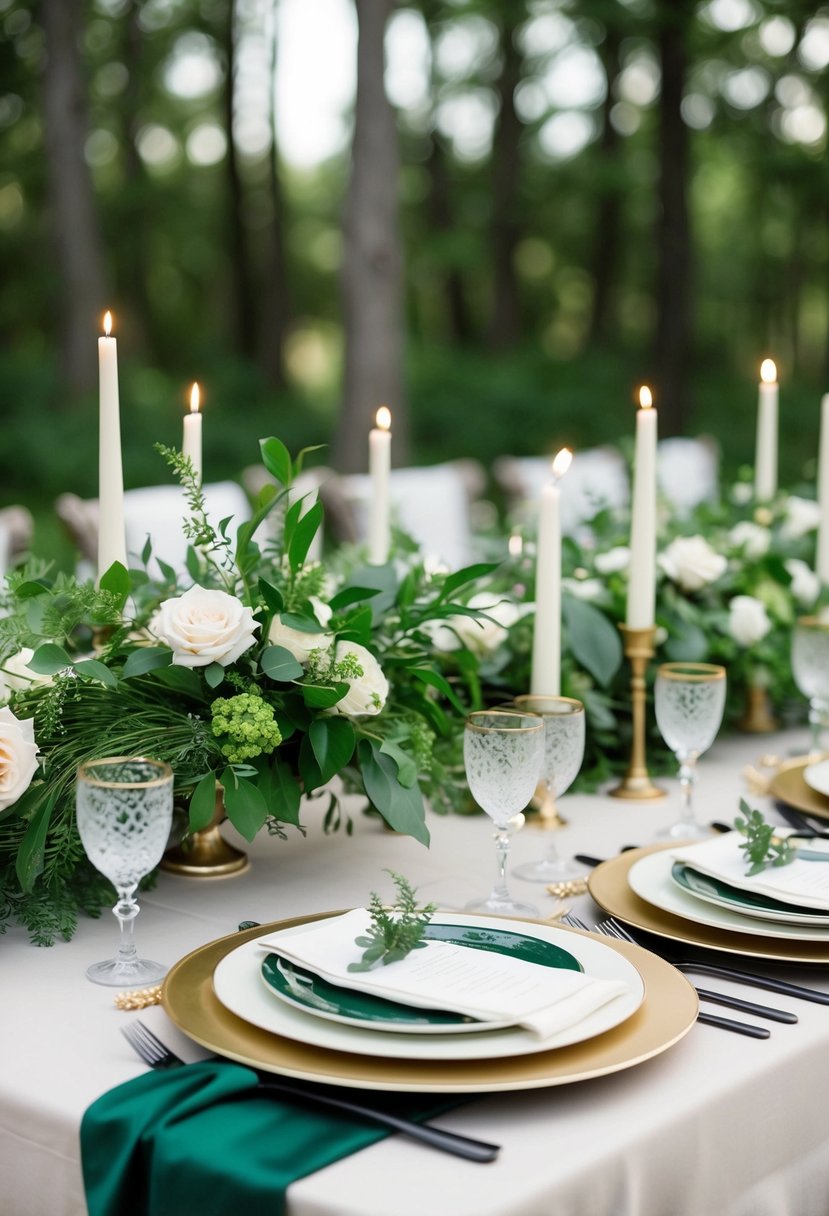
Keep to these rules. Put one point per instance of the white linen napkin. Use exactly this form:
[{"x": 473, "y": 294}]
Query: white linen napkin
[
  {"x": 800, "y": 882},
  {"x": 477, "y": 983}
]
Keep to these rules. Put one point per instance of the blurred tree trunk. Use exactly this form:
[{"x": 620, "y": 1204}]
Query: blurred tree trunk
[
  {"x": 243, "y": 310},
  {"x": 135, "y": 198},
  {"x": 276, "y": 305},
  {"x": 372, "y": 276},
  {"x": 611, "y": 188},
  {"x": 440, "y": 215},
  {"x": 505, "y": 327},
  {"x": 74, "y": 221},
  {"x": 674, "y": 274}
]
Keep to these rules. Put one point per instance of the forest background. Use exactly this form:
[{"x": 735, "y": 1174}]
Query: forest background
[{"x": 511, "y": 213}]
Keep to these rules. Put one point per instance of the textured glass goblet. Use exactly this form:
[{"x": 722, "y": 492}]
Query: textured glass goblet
[
  {"x": 564, "y": 729},
  {"x": 689, "y": 701},
  {"x": 503, "y": 752},
  {"x": 810, "y": 668},
  {"x": 124, "y": 809}
]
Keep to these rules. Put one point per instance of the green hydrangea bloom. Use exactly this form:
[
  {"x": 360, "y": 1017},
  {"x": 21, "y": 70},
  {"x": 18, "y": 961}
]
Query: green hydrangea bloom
[{"x": 248, "y": 722}]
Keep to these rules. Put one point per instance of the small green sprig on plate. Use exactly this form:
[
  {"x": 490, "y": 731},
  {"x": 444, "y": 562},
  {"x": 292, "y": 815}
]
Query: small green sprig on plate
[
  {"x": 394, "y": 931},
  {"x": 762, "y": 847}
]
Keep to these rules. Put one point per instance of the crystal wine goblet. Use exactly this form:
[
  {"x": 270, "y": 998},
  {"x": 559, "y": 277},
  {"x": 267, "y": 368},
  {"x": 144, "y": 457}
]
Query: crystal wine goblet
[
  {"x": 503, "y": 751},
  {"x": 124, "y": 808},
  {"x": 689, "y": 700},
  {"x": 810, "y": 668},
  {"x": 564, "y": 726}
]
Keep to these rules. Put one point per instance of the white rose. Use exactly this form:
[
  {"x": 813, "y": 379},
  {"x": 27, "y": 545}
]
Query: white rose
[
  {"x": 805, "y": 584},
  {"x": 748, "y": 621},
  {"x": 753, "y": 539},
  {"x": 802, "y": 516},
  {"x": 691, "y": 563},
  {"x": 584, "y": 588},
  {"x": 613, "y": 561},
  {"x": 297, "y": 641},
  {"x": 15, "y": 673},
  {"x": 18, "y": 756},
  {"x": 322, "y": 611},
  {"x": 477, "y": 634},
  {"x": 366, "y": 693},
  {"x": 741, "y": 493},
  {"x": 202, "y": 627}
]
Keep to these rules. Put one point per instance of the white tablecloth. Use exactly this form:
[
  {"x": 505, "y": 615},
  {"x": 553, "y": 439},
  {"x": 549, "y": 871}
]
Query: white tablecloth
[{"x": 719, "y": 1124}]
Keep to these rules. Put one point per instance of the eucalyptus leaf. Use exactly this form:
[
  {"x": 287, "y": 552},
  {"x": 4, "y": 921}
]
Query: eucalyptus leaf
[
  {"x": 93, "y": 669},
  {"x": 214, "y": 673},
  {"x": 203, "y": 803},
  {"x": 49, "y": 659},
  {"x": 144, "y": 659},
  {"x": 332, "y": 740},
  {"x": 244, "y": 803},
  {"x": 279, "y": 664},
  {"x": 323, "y": 696},
  {"x": 593, "y": 641},
  {"x": 401, "y": 807}
]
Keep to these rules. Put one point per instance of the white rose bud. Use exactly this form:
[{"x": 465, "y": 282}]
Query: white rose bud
[
  {"x": 203, "y": 627},
  {"x": 748, "y": 621},
  {"x": 18, "y": 756},
  {"x": 366, "y": 693},
  {"x": 297, "y": 641},
  {"x": 16, "y": 675},
  {"x": 805, "y": 584},
  {"x": 691, "y": 563},
  {"x": 753, "y": 539}
]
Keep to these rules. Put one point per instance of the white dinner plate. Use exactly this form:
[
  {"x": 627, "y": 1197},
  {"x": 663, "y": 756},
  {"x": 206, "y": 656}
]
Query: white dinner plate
[
  {"x": 650, "y": 879},
  {"x": 239, "y": 987},
  {"x": 817, "y": 776}
]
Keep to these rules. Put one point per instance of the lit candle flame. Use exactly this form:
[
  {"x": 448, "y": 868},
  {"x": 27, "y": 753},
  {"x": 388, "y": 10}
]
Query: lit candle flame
[
  {"x": 383, "y": 418},
  {"x": 768, "y": 371},
  {"x": 195, "y": 398},
  {"x": 645, "y": 397},
  {"x": 562, "y": 463},
  {"x": 107, "y": 322}
]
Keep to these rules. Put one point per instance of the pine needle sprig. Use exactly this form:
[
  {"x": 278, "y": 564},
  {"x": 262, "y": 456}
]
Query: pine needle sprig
[{"x": 394, "y": 931}]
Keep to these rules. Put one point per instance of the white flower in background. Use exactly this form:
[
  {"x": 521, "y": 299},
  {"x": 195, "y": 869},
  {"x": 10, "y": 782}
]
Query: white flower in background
[
  {"x": 480, "y": 636},
  {"x": 742, "y": 493},
  {"x": 691, "y": 563},
  {"x": 203, "y": 627},
  {"x": 748, "y": 621},
  {"x": 297, "y": 641},
  {"x": 15, "y": 674},
  {"x": 802, "y": 516},
  {"x": 367, "y": 693},
  {"x": 18, "y": 756},
  {"x": 584, "y": 588},
  {"x": 805, "y": 584},
  {"x": 753, "y": 539},
  {"x": 613, "y": 561}
]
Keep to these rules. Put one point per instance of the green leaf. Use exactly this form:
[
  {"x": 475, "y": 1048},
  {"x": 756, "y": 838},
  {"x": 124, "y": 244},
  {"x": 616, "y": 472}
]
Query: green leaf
[
  {"x": 277, "y": 663},
  {"x": 401, "y": 808},
  {"x": 435, "y": 680},
  {"x": 32, "y": 588},
  {"x": 26, "y": 804},
  {"x": 271, "y": 595},
  {"x": 203, "y": 803},
  {"x": 147, "y": 551},
  {"x": 29, "y": 861},
  {"x": 303, "y": 452},
  {"x": 95, "y": 670},
  {"x": 593, "y": 641},
  {"x": 309, "y": 770},
  {"x": 214, "y": 673},
  {"x": 167, "y": 571},
  {"x": 469, "y": 574},
  {"x": 352, "y": 595},
  {"x": 305, "y": 624},
  {"x": 323, "y": 696},
  {"x": 180, "y": 679},
  {"x": 406, "y": 767},
  {"x": 116, "y": 580},
  {"x": 358, "y": 628},
  {"x": 192, "y": 563},
  {"x": 49, "y": 659},
  {"x": 277, "y": 460},
  {"x": 284, "y": 794},
  {"x": 144, "y": 659},
  {"x": 332, "y": 740},
  {"x": 303, "y": 535},
  {"x": 245, "y": 806}
]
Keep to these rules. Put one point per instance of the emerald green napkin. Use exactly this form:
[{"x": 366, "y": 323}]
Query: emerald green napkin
[{"x": 194, "y": 1139}]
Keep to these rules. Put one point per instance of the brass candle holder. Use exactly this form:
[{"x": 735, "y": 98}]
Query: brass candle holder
[{"x": 636, "y": 784}]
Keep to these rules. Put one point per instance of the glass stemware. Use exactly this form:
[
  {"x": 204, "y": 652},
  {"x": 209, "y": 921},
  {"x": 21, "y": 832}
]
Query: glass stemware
[
  {"x": 124, "y": 811},
  {"x": 689, "y": 701},
  {"x": 564, "y": 728},
  {"x": 503, "y": 751},
  {"x": 810, "y": 668}
]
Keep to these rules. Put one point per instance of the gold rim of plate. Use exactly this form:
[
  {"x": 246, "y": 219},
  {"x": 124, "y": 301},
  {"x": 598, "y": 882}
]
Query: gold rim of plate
[
  {"x": 789, "y": 785},
  {"x": 609, "y": 887},
  {"x": 666, "y": 1015}
]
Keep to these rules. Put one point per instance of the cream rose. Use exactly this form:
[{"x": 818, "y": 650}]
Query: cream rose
[
  {"x": 748, "y": 621},
  {"x": 691, "y": 563},
  {"x": 203, "y": 626},
  {"x": 18, "y": 756},
  {"x": 367, "y": 693},
  {"x": 753, "y": 539},
  {"x": 297, "y": 641},
  {"x": 805, "y": 584},
  {"x": 15, "y": 673}
]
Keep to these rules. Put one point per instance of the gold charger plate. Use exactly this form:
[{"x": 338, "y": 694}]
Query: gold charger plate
[
  {"x": 608, "y": 885},
  {"x": 789, "y": 785},
  {"x": 666, "y": 1015}
]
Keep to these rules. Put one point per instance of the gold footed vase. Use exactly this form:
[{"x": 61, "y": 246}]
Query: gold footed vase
[
  {"x": 544, "y": 812},
  {"x": 758, "y": 718},
  {"x": 206, "y": 854}
]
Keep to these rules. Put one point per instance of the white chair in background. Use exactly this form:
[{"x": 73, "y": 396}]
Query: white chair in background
[
  {"x": 688, "y": 471},
  {"x": 597, "y": 478}
]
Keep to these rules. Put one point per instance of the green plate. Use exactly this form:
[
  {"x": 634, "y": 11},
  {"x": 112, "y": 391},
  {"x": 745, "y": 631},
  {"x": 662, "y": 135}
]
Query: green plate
[
  {"x": 319, "y": 997},
  {"x": 747, "y": 903}
]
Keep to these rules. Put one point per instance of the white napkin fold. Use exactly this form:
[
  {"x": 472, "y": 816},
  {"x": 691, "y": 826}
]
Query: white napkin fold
[
  {"x": 477, "y": 983},
  {"x": 800, "y": 882}
]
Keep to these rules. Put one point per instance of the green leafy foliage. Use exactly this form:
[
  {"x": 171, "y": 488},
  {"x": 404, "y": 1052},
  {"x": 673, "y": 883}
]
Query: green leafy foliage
[
  {"x": 762, "y": 847},
  {"x": 396, "y": 931}
]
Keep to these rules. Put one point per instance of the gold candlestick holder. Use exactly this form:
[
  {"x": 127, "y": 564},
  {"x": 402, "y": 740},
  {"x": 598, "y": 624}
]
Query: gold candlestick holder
[{"x": 636, "y": 784}]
